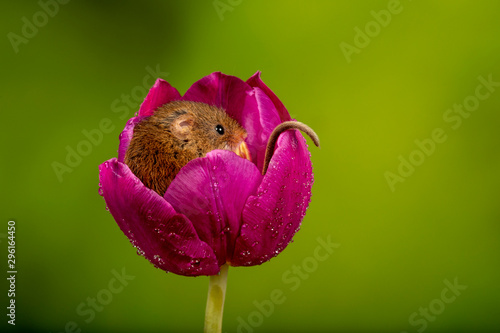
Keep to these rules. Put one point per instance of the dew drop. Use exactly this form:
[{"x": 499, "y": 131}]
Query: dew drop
[{"x": 254, "y": 244}]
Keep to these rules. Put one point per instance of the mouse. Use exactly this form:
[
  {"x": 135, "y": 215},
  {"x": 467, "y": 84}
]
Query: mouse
[
  {"x": 177, "y": 133},
  {"x": 181, "y": 131}
]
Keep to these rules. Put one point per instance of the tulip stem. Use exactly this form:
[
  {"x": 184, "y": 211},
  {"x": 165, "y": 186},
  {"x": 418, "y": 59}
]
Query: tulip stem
[{"x": 215, "y": 301}]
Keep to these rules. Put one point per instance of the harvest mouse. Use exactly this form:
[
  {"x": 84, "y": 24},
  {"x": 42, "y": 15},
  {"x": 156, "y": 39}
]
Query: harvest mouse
[
  {"x": 180, "y": 131},
  {"x": 176, "y": 133}
]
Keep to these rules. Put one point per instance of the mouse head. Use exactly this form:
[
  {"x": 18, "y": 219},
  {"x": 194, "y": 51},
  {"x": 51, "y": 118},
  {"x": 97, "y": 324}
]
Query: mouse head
[{"x": 204, "y": 126}]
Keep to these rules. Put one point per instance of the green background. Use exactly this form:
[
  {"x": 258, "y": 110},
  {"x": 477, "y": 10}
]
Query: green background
[{"x": 396, "y": 247}]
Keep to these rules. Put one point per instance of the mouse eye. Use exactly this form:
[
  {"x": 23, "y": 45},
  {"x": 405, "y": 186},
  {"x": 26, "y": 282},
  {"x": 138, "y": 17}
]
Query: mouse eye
[{"x": 219, "y": 129}]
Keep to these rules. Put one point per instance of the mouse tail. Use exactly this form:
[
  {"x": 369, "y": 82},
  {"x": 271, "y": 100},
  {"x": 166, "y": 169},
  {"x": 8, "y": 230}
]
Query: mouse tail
[{"x": 273, "y": 138}]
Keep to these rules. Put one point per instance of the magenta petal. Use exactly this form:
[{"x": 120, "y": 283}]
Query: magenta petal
[
  {"x": 252, "y": 108},
  {"x": 161, "y": 93},
  {"x": 126, "y": 137},
  {"x": 268, "y": 120},
  {"x": 271, "y": 218},
  {"x": 212, "y": 191},
  {"x": 167, "y": 239},
  {"x": 255, "y": 81}
]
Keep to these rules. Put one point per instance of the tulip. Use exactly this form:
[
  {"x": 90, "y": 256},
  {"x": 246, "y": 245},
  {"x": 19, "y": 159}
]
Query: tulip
[{"x": 220, "y": 209}]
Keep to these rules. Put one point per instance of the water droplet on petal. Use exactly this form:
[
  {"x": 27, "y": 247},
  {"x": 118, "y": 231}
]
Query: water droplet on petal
[
  {"x": 254, "y": 244},
  {"x": 195, "y": 262}
]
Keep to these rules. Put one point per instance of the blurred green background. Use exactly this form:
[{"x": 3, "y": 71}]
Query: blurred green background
[{"x": 369, "y": 88}]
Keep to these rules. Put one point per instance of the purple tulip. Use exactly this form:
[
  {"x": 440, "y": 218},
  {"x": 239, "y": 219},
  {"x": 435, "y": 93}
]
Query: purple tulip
[{"x": 219, "y": 208}]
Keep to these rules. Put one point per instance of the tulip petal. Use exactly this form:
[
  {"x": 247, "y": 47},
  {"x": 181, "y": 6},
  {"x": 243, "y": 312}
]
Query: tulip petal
[
  {"x": 255, "y": 81},
  {"x": 167, "y": 239},
  {"x": 161, "y": 93},
  {"x": 274, "y": 215},
  {"x": 211, "y": 191},
  {"x": 250, "y": 107},
  {"x": 126, "y": 137}
]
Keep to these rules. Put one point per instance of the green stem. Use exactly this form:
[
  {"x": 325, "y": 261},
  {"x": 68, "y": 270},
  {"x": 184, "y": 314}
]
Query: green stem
[{"x": 215, "y": 301}]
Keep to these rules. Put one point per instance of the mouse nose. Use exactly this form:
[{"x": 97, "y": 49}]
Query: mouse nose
[{"x": 242, "y": 151}]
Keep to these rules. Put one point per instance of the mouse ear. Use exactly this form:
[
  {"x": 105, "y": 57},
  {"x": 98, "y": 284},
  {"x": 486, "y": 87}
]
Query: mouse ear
[{"x": 181, "y": 126}]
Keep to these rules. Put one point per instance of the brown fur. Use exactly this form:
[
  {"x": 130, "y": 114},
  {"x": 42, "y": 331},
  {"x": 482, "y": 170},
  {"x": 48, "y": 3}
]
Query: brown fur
[{"x": 175, "y": 134}]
